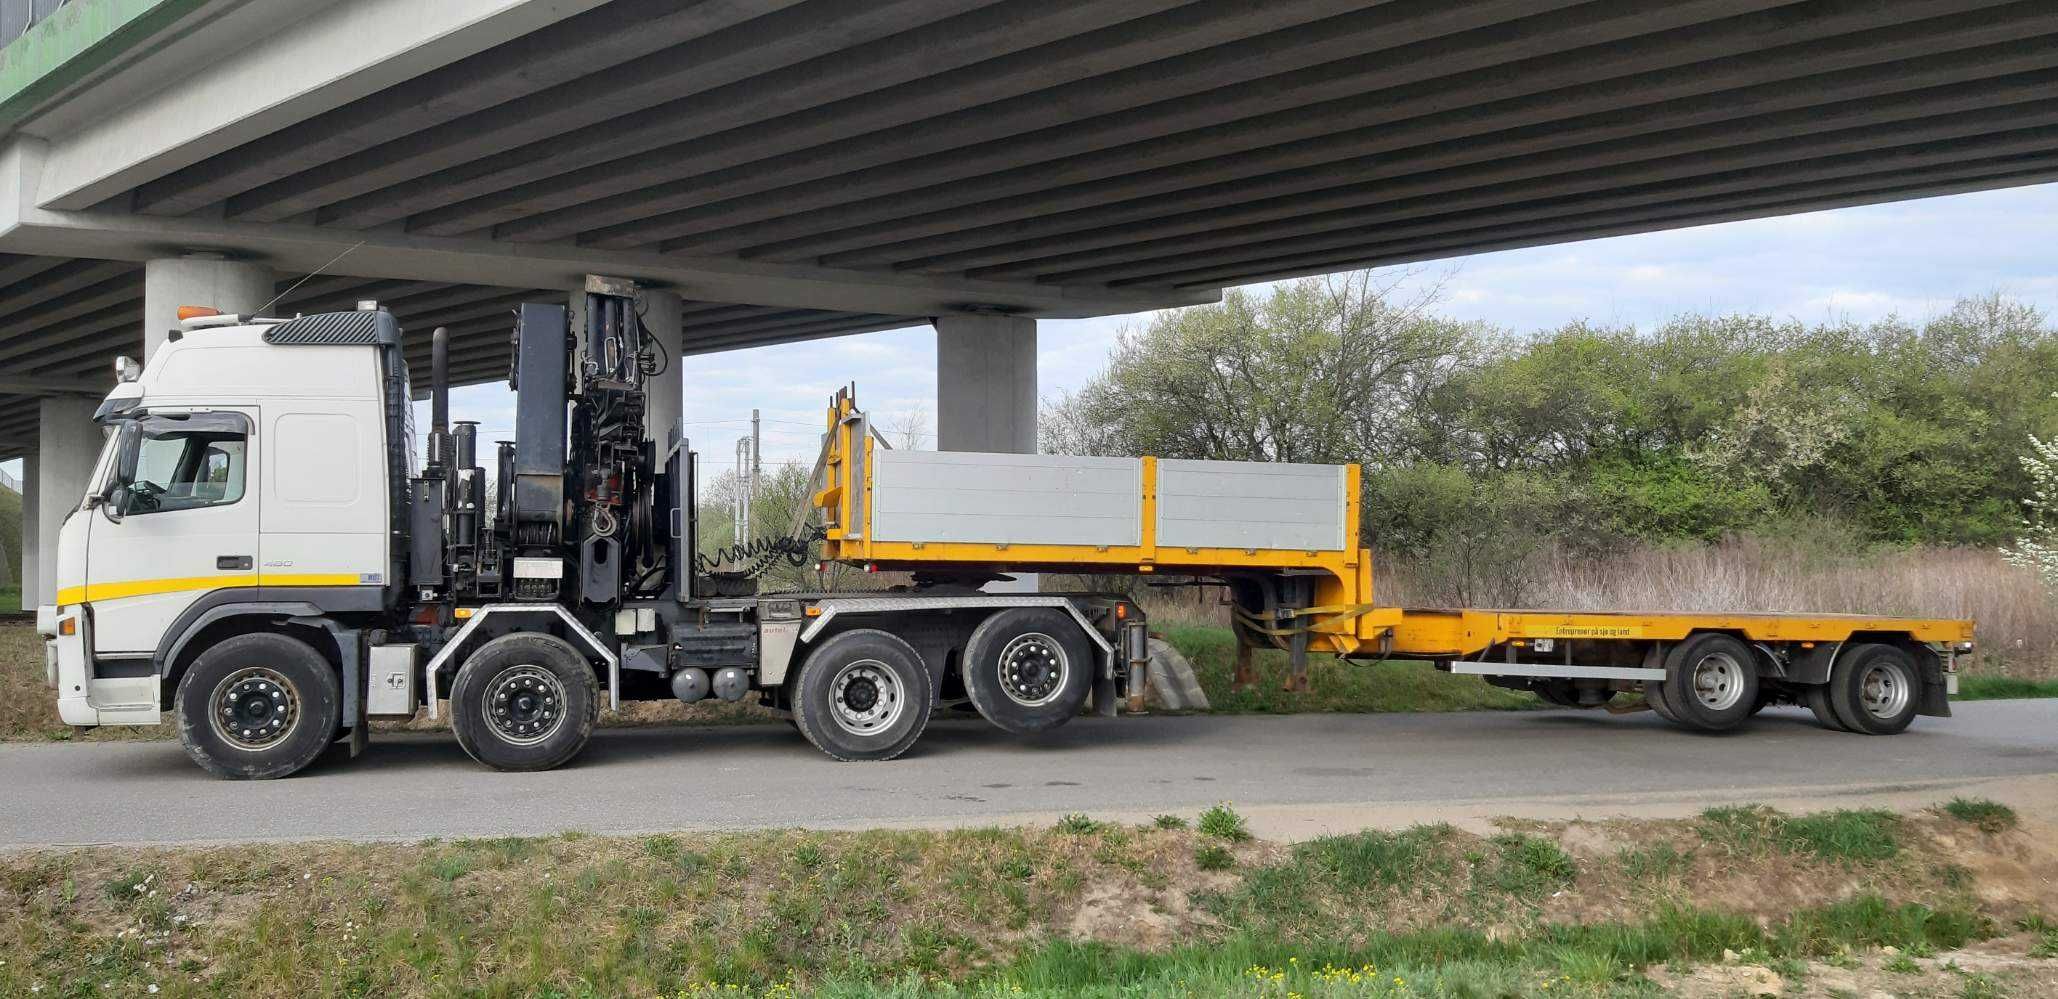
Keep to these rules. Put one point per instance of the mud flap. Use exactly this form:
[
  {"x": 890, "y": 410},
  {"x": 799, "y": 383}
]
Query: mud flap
[
  {"x": 1936, "y": 698},
  {"x": 1104, "y": 689}
]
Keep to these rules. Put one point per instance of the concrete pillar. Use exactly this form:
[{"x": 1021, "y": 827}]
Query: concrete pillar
[
  {"x": 67, "y": 445},
  {"x": 205, "y": 279},
  {"x": 31, "y": 533},
  {"x": 986, "y": 395},
  {"x": 986, "y": 384},
  {"x": 666, "y": 403}
]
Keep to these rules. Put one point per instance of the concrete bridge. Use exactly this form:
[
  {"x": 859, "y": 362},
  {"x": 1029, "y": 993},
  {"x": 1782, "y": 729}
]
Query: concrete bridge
[{"x": 795, "y": 169}]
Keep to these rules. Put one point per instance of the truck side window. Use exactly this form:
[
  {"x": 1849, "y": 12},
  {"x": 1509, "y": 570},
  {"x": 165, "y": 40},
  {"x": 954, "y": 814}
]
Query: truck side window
[{"x": 183, "y": 464}]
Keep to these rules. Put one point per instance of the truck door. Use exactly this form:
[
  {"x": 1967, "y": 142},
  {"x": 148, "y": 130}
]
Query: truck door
[{"x": 181, "y": 522}]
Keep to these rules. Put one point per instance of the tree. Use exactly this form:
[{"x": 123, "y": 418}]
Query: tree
[
  {"x": 1321, "y": 370},
  {"x": 2036, "y": 547}
]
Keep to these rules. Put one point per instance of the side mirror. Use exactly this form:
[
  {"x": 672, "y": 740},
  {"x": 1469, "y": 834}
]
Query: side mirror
[{"x": 113, "y": 506}]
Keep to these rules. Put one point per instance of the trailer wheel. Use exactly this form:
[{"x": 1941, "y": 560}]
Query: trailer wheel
[
  {"x": 1028, "y": 669},
  {"x": 258, "y": 706},
  {"x": 1711, "y": 682},
  {"x": 524, "y": 702},
  {"x": 862, "y": 695},
  {"x": 1654, "y": 695},
  {"x": 1816, "y": 697},
  {"x": 1874, "y": 689}
]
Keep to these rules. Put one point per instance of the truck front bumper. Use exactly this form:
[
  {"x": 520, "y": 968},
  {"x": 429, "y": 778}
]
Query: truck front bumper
[{"x": 82, "y": 699}]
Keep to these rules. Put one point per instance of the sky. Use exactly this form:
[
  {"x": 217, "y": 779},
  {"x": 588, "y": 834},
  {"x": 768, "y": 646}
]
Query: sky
[{"x": 1912, "y": 258}]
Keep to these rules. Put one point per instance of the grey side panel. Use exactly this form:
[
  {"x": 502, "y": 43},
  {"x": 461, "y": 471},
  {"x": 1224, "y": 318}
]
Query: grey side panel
[
  {"x": 1551, "y": 670},
  {"x": 1011, "y": 499},
  {"x": 1241, "y": 504}
]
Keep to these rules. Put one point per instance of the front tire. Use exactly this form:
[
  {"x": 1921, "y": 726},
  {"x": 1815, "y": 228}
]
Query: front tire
[
  {"x": 1711, "y": 682},
  {"x": 1874, "y": 689},
  {"x": 524, "y": 702},
  {"x": 258, "y": 707},
  {"x": 1028, "y": 669},
  {"x": 863, "y": 695}
]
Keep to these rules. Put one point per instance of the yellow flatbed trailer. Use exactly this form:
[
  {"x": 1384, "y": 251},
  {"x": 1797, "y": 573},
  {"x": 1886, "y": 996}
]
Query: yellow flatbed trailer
[{"x": 1283, "y": 540}]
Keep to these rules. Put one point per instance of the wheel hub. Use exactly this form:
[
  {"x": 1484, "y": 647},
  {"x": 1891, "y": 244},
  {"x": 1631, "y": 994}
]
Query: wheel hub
[
  {"x": 1884, "y": 691},
  {"x": 1718, "y": 681},
  {"x": 1033, "y": 669},
  {"x": 255, "y": 708},
  {"x": 525, "y": 704},
  {"x": 865, "y": 698}
]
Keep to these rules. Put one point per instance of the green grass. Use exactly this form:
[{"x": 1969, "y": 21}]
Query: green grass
[
  {"x": 1604, "y": 957},
  {"x": 10, "y": 598},
  {"x": 982, "y": 912},
  {"x": 1989, "y": 816},
  {"x": 1848, "y": 836},
  {"x": 1975, "y": 687},
  {"x": 1333, "y": 684}
]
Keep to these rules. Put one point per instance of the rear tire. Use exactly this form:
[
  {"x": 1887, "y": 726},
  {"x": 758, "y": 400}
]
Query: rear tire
[
  {"x": 1028, "y": 669},
  {"x": 1816, "y": 697},
  {"x": 524, "y": 702},
  {"x": 1875, "y": 689},
  {"x": 863, "y": 695},
  {"x": 1711, "y": 682},
  {"x": 258, "y": 707}
]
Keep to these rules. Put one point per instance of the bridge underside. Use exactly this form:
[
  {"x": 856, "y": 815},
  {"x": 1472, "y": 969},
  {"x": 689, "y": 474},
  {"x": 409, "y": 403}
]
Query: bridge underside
[{"x": 807, "y": 168}]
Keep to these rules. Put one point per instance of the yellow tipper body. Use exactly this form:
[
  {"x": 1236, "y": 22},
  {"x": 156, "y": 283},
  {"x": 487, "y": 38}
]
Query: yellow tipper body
[{"x": 1341, "y": 616}]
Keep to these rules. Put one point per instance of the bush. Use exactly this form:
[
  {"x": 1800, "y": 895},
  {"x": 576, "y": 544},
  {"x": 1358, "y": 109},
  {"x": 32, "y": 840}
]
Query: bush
[{"x": 1222, "y": 822}]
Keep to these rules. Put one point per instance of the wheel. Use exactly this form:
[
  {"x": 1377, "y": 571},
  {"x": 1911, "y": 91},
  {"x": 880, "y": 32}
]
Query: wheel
[
  {"x": 1874, "y": 689},
  {"x": 1711, "y": 682},
  {"x": 1654, "y": 695},
  {"x": 862, "y": 695},
  {"x": 524, "y": 702},
  {"x": 1028, "y": 669},
  {"x": 258, "y": 706},
  {"x": 1816, "y": 697}
]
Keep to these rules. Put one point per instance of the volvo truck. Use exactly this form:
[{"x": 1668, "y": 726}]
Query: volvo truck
[{"x": 262, "y": 559}]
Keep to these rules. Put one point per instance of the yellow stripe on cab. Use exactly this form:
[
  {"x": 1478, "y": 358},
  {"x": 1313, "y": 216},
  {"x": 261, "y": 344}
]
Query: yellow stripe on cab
[{"x": 94, "y": 592}]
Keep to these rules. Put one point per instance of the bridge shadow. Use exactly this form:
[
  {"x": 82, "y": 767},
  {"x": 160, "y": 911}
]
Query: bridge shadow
[{"x": 416, "y": 752}]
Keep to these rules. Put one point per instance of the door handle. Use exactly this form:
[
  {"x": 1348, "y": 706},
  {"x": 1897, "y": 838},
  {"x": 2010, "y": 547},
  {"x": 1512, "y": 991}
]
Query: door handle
[{"x": 233, "y": 562}]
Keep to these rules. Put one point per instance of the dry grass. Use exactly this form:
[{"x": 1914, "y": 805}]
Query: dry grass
[{"x": 1082, "y": 908}]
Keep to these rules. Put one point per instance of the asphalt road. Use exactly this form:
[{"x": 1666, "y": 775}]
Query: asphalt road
[{"x": 963, "y": 772}]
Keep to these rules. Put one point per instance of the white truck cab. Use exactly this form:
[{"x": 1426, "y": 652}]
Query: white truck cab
[{"x": 242, "y": 467}]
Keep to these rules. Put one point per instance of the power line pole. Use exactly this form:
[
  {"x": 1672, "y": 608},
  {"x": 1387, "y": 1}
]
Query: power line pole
[{"x": 757, "y": 449}]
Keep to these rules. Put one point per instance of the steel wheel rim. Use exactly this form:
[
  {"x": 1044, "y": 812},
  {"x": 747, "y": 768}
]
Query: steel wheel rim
[
  {"x": 865, "y": 698},
  {"x": 1718, "y": 681},
  {"x": 1883, "y": 690},
  {"x": 525, "y": 704},
  {"x": 255, "y": 708},
  {"x": 1033, "y": 669}
]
